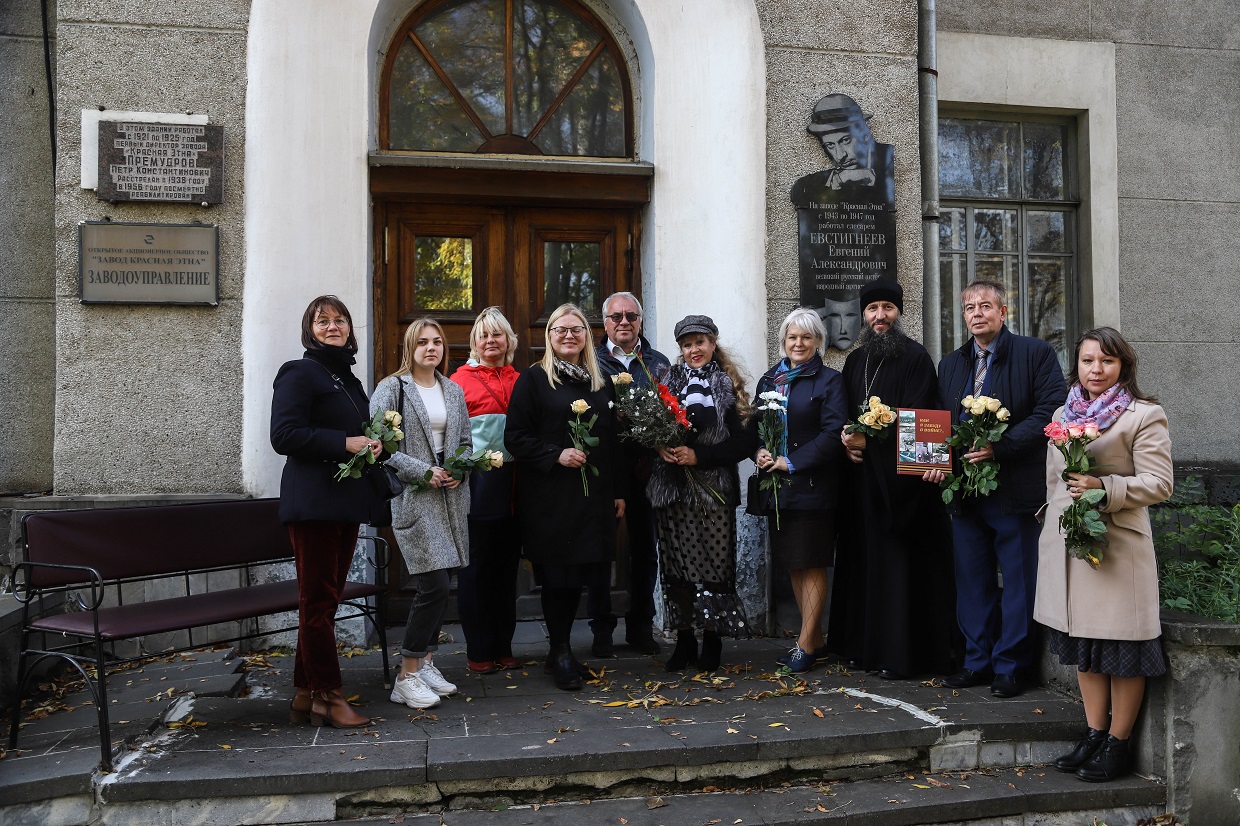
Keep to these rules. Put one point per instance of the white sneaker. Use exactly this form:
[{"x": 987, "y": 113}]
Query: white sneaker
[
  {"x": 435, "y": 680},
  {"x": 411, "y": 691}
]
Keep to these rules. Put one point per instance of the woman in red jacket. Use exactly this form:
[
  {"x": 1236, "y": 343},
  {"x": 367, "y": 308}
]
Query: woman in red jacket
[{"x": 486, "y": 588}]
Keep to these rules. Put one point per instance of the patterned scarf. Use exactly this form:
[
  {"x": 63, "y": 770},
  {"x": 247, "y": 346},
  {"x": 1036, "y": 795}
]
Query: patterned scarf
[
  {"x": 695, "y": 397},
  {"x": 571, "y": 372},
  {"x": 785, "y": 375},
  {"x": 1102, "y": 411}
]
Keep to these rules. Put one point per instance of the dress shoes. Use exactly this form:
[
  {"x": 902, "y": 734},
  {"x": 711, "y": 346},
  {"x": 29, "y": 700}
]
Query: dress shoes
[
  {"x": 564, "y": 670},
  {"x": 684, "y": 654},
  {"x": 603, "y": 648},
  {"x": 505, "y": 663},
  {"x": 1111, "y": 761},
  {"x": 1084, "y": 750},
  {"x": 800, "y": 660},
  {"x": 643, "y": 641},
  {"x": 483, "y": 667},
  {"x": 967, "y": 678},
  {"x": 330, "y": 708},
  {"x": 891, "y": 674},
  {"x": 1005, "y": 687},
  {"x": 819, "y": 653}
]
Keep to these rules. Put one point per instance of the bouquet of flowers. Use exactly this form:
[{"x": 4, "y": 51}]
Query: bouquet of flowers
[
  {"x": 383, "y": 427},
  {"x": 1081, "y": 522},
  {"x": 655, "y": 416},
  {"x": 459, "y": 463},
  {"x": 987, "y": 422},
  {"x": 579, "y": 432},
  {"x": 873, "y": 420},
  {"x": 773, "y": 429}
]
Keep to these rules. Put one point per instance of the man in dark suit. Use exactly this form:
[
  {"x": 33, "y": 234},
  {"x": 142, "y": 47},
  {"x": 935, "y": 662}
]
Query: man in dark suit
[
  {"x": 1000, "y": 529},
  {"x": 625, "y": 350}
]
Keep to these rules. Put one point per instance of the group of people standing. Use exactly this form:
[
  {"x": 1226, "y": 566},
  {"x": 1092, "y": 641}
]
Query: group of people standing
[{"x": 912, "y": 580}]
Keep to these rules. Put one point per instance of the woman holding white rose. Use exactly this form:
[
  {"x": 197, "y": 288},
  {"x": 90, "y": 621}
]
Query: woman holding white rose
[
  {"x": 430, "y": 517},
  {"x": 568, "y": 498},
  {"x": 1106, "y": 621}
]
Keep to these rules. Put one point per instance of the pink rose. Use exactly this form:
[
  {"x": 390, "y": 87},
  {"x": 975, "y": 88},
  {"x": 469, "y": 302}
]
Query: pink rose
[
  {"x": 1091, "y": 431},
  {"x": 1056, "y": 433},
  {"x": 1076, "y": 431}
]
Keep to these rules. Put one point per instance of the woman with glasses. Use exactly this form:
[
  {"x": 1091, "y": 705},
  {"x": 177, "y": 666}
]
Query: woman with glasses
[
  {"x": 318, "y": 411},
  {"x": 486, "y": 588},
  {"x": 568, "y": 498}
]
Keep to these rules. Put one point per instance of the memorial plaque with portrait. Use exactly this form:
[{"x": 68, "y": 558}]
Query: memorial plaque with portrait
[{"x": 846, "y": 217}]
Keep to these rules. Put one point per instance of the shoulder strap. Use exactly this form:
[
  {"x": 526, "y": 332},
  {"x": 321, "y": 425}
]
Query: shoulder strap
[{"x": 343, "y": 389}]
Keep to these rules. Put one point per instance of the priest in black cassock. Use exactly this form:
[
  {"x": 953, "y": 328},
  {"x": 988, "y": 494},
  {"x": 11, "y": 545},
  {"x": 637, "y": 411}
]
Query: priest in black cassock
[{"x": 892, "y": 608}]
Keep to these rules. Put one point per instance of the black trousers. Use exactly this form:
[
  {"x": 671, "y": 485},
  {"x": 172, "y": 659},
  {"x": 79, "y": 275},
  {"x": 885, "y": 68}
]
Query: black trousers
[
  {"x": 486, "y": 589},
  {"x": 643, "y": 570}
]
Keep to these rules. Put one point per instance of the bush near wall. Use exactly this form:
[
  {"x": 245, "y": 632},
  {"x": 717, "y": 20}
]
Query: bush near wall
[{"x": 1197, "y": 540}]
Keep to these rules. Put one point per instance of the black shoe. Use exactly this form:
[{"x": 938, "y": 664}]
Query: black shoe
[
  {"x": 1110, "y": 762},
  {"x": 891, "y": 674},
  {"x": 603, "y": 647},
  {"x": 1005, "y": 687},
  {"x": 643, "y": 641},
  {"x": 564, "y": 670},
  {"x": 685, "y": 652},
  {"x": 712, "y": 652},
  {"x": 1084, "y": 750},
  {"x": 967, "y": 678}
]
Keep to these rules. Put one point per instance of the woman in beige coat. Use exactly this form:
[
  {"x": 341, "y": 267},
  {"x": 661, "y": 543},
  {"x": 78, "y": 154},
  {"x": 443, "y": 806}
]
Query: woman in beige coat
[{"x": 1105, "y": 621}]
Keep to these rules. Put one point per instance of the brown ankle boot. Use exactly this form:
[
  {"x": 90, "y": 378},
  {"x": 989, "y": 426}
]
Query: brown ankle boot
[
  {"x": 332, "y": 709},
  {"x": 299, "y": 709}
]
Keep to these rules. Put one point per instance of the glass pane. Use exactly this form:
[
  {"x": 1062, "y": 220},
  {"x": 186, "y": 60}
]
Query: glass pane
[
  {"x": 995, "y": 229},
  {"x": 590, "y": 121},
  {"x": 422, "y": 113},
  {"x": 1006, "y": 270},
  {"x": 1048, "y": 279},
  {"x": 443, "y": 273},
  {"x": 951, "y": 229},
  {"x": 1046, "y": 231},
  {"x": 953, "y": 275},
  {"x": 550, "y": 42},
  {"x": 979, "y": 158},
  {"x": 571, "y": 274},
  {"x": 1046, "y": 171},
  {"x": 467, "y": 40}
]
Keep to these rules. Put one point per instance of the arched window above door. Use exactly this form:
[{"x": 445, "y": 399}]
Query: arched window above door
[{"x": 529, "y": 77}]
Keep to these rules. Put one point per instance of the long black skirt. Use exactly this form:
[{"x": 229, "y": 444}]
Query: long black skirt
[{"x": 697, "y": 565}]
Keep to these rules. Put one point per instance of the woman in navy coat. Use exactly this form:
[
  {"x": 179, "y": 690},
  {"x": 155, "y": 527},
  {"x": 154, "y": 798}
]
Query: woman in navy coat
[
  {"x": 318, "y": 411},
  {"x": 810, "y": 462}
]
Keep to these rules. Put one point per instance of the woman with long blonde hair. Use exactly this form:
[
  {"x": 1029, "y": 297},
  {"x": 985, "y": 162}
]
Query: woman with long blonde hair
[{"x": 568, "y": 496}]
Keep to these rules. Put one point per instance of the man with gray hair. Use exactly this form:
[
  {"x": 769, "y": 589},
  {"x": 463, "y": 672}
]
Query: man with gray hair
[{"x": 625, "y": 350}]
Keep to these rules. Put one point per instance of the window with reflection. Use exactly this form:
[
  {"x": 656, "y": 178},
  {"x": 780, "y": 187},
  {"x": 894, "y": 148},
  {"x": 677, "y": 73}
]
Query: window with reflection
[
  {"x": 571, "y": 274},
  {"x": 1009, "y": 212},
  {"x": 535, "y": 77},
  {"x": 443, "y": 273}
]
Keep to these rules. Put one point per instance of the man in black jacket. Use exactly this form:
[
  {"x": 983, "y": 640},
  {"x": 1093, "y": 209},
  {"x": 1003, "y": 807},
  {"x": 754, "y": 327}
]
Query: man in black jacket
[
  {"x": 1024, "y": 375},
  {"x": 624, "y": 350}
]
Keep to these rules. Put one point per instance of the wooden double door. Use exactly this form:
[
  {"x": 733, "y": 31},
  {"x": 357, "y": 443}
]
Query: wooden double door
[{"x": 450, "y": 261}]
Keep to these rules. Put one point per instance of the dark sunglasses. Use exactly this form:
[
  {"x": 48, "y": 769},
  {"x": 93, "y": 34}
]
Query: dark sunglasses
[{"x": 616, "y": 318}]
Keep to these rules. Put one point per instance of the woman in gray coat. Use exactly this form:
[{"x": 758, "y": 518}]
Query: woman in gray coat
[{"x": 430, "y": 523}]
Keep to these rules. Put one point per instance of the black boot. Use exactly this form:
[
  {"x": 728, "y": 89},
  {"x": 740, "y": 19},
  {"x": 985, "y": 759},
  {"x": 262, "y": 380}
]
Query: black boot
[
  {"x": 564, "y": 669},
  {"x": 685, "y": 652},
  {"x": 712, "y": 651},
  {"x": 1084, "y": 750},
  {"x": 1110, "y": 762}
]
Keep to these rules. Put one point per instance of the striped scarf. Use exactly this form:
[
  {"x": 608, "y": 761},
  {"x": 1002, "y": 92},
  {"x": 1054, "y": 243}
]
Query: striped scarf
[{"x": 695, "y": 397}]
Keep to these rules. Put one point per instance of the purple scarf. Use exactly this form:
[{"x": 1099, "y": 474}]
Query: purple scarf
[{"x": 1102, "y": 411}]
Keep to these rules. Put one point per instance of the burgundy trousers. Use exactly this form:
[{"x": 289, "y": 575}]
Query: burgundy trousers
[{"x": 324, "y": 551}]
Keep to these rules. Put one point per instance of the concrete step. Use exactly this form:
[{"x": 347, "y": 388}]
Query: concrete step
[{"x": 999, "y": 797}]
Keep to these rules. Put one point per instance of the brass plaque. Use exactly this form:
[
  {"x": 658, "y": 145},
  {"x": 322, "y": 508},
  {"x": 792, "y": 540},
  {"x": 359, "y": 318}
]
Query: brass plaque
[{"x": 120, "y": 263}]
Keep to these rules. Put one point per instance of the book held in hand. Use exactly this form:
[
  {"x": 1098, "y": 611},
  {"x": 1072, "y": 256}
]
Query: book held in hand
[{"x": 922, "y": 441}]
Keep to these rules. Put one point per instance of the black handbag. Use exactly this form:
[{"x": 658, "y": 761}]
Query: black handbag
[
  {"x": 756, "y": 499},
  {"x": 385, "y": 482}
]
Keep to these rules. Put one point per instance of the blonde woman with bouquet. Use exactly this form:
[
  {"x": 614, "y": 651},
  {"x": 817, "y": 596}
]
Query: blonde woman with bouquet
[
  {"x": 430, "y": 517},
  {"x": 1105, "y": 621},
  {"x": 567, "y": 491}
]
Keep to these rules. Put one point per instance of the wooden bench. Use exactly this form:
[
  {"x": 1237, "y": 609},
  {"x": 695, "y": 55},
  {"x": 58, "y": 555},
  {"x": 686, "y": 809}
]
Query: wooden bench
[{"x": 94, "y": 553}]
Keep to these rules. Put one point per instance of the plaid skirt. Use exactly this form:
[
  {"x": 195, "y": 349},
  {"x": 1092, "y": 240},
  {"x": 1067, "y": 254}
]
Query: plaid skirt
[{"x": 1118, "y": 658}]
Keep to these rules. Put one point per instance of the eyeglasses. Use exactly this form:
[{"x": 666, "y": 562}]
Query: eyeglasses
[
  {"x": 561, "y": 332},
  {"x": 324, "y": 323},
  {"x": 616, "y": 318}
]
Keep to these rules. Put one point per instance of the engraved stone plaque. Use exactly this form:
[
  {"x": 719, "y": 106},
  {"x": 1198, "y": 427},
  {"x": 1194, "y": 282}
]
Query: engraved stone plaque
[
  {"x": 121, "y": 263},
  {"x": 179, "y": 162},
  {"x": 846, "y": 217}
]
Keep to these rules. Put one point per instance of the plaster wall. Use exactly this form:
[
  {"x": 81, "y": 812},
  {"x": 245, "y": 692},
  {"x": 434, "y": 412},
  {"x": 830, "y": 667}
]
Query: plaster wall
[
  {"x": 1177, "y": 189},
  {"x": 148, "y": 398},
  {"x": 870, "y": 53},
  {"x": 27, "y": 271},
  {"x": 309, "y": 121}
]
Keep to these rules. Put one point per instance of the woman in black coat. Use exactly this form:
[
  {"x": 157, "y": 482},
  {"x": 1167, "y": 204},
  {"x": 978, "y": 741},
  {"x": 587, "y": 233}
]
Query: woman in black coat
[
  {"x": 318, "y": 411},
  {"x": 567, "y": 511},
  {"x": 810, "y": 462}
]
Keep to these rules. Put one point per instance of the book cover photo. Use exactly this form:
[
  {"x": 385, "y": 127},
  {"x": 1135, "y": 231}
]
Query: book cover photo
[{"x": 922, "y": 444}]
